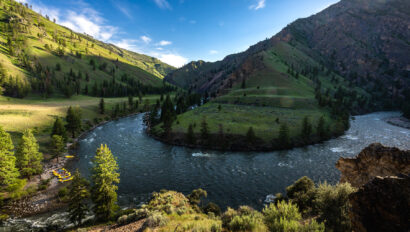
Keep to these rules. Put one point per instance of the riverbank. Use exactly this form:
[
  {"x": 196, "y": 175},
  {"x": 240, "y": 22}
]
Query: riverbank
[
  {"x": 234, "y": 142},
  {"x": 399, "y": 121},
  {"x": 47, "y": 200}
]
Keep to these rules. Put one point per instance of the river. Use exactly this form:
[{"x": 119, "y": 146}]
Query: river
[{"x": 230, "y": 178}]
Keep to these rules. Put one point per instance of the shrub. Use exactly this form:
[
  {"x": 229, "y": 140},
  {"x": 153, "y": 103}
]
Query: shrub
[
  {"x": 212, "y": 207},
  {"x": 302, "y": 192},
  {"x": 156, "y": 219},
  {"x": 216, "y": 228},
  {"x": 333, "y": 205},
  {"x": 284, "y": 217},
  {"x": 244, "y": 219}
]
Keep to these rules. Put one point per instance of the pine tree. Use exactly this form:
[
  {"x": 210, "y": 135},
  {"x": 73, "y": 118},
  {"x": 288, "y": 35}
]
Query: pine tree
[
  {"x": 250, "y": 136},
  {"x": 204, "y": 131},
  {"x": 102, "y": 106},
  {"x": 190, "y": 137},
  {"x": 59, "y": 129},
  {"x": 28, "y": 157},
  {"x": 306, "y": 128},
  {"x": 8, "y": 170},
  {"x": 73, "y": 119},
  {"x": 78, "y": 196},
  {"x": 57, "y": 145},
  {"x": 105, "y": 176},
  {"x": 321, "y": 131},
  {"x": 130, "y": 102},
  {"x": 284, "y": 135}
]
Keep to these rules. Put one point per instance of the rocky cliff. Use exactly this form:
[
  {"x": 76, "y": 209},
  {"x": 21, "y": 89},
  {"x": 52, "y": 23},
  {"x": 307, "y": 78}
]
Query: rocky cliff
[
  {"x": 383, "y": 204},
  {"x": 374, "y": 160}
]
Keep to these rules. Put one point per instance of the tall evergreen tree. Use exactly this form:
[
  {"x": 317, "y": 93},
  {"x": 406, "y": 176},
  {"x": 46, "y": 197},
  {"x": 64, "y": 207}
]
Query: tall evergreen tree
[
  {"x": 102, "y": 106},
  {"x": 78, "y": 196},
  {"x": 59, "y": 129},
  {"x": 204, "y": 131},
  {"x": 130, "y": 102},
  {"x": 104, "y": 177},
  {"x": 250, "y": 136},
  {"x": 57, "y": 146},
  {"x": 73, "y": 119},
  {"x": 28, "y": 157},
  {"x": 190, "y": 136},
  {"x": 321, "y": 131},
  {"x": 306, "y": 128},
  {"x": 8, "y": 170},
  {"x": 284, "y": 135}
]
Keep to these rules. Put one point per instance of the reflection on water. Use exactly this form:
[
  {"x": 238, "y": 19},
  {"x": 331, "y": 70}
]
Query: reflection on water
[{"x": 231, "y": 178}]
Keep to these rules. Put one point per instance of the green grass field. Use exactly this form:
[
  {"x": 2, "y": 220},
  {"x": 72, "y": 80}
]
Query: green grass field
[{"x": 37, "y": 113}]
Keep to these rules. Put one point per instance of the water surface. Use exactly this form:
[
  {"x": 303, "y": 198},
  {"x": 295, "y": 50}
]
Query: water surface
[{"x": 230, "y": 178}]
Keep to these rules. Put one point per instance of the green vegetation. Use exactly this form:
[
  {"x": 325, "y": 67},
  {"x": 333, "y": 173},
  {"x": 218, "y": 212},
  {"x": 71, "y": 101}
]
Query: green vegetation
[
  {"x": 39, "y": 56},
  {"x": 78, "y": 196},
  {"x": 28, "y": 156},
  {"x": 105, "y": 177},
  {"x": 8, "y": 170}
]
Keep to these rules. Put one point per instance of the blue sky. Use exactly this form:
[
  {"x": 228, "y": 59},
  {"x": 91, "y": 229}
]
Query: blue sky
[{"x": 178, "y": 31}]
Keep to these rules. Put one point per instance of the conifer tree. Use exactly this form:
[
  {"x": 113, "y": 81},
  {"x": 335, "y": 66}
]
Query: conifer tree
[
  {"x": 78, "y": 196},
  {"x": 59, "y": 129},
  {"x": 190, "y": 135},
  {"x": 57, "y": 145},
  {"x": 8, "y": 170},
  {"x": 250, "y": 136},
  {"x": 73, "y": 119},
  {"x": 102, "y": 106},
  {"x": 321, "y": 131},
  {"x": 204, "y": 131},
  {"x": 306, "y": 128},
  {"x": 284, "y": 135},
  {"x": 104, "y": 177},
  {"x": 28, "y": 157}
]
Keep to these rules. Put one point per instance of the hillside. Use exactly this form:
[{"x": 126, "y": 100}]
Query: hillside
[
  {"x": 330, "y": 64},
  {"x": 365, "y": 42},
  {"x": 40, "y": 57}
]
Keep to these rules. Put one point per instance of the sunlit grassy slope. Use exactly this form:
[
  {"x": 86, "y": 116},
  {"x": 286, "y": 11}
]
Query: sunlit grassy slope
[{"x": 41, "y": 47}]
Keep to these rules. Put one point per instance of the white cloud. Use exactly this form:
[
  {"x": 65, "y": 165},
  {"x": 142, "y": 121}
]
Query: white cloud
[
  {"x": 163, "y": 4},
  {"x": 124, "y": 10},
  {"x": 128, "y": 44},
  {"x": 164, "y": 43},
  {"x": 260, "y": 4},
  {"x": 89, "y": 22},
  {"x": 173, "y": 59},
  {"x": 146, "y": 39},
  {"x": 213, "y": 52},
  {"x": 159, "y": 48}
]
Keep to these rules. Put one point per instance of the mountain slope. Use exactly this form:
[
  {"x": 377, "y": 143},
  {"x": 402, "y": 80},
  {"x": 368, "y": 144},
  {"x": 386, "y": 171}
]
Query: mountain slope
[
  {"x": 366, "y": 42},
  {"x": 40, "y": 56}
]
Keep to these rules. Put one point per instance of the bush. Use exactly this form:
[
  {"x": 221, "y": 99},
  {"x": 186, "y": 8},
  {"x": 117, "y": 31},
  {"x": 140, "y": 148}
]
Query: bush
[
  {"x": 156, "y": 219},
  {"x": 244, "y": 219},
  {"x": 333, "y": 206},
  {"x": 63, "y": 193},
  {"x": 302, "y": 192},
  {"x": 212, "y": 207},
  {"x": 284, "y": 217}
]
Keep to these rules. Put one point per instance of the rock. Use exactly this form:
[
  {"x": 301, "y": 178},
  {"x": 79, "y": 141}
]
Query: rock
[
  {"x": 383, "y": 204},
  {"x": 374, "y": 160}
]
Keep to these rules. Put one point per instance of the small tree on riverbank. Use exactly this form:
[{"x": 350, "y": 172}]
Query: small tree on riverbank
[
  {"x": 204, "y": 131},
  {"x": 28, "y": 157},
  {"x": 190, "y": 135},
  {"x": 250, "y": 136},
  {"x": 284, "y": 135},
  {"x": 321, "y": 132},
  {"x": 73, "y": 119},
  {"x": 102, "y": 106},
  {"x": 306, "y": 128},
  {"x": 8, "y": 170},
  {"x": 78, "y": 196},
  {"x": 59, "y": 129},
  {"x": 57, "y": 146},
  {"x": 105, "y": 176}
]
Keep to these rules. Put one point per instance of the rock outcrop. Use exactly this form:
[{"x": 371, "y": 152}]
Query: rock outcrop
[
  {"x": 383, "y": 204},
  {"x": 374, "y": 160}
]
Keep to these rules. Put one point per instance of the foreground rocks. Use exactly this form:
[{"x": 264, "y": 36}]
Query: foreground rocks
[
  {"x": 382, "y": 202},
  {"x": 374, "y": 160}
]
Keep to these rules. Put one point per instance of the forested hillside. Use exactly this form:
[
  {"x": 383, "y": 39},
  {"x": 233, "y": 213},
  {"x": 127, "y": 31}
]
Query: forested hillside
[{"x": 40, "y": 57}]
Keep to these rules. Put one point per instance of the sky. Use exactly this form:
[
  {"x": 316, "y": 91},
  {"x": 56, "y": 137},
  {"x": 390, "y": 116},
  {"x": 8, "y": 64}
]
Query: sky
[{"x": 179, "y": 31}]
